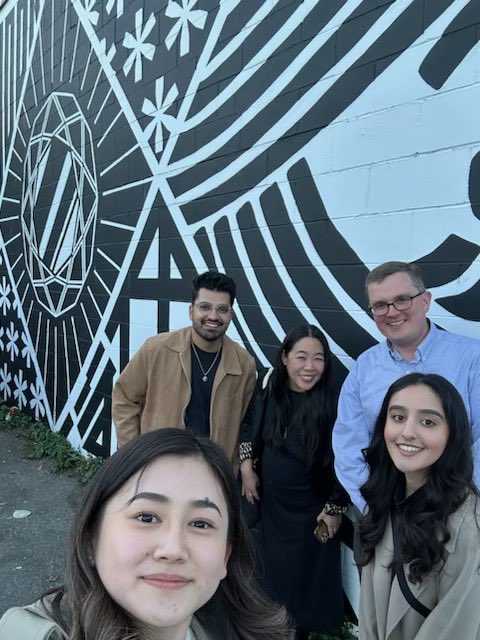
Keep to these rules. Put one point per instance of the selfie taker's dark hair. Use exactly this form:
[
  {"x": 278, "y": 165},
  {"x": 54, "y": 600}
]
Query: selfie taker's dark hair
[
  {"x": 237, "y": 611},
  {"x": 423, "y": 535}
]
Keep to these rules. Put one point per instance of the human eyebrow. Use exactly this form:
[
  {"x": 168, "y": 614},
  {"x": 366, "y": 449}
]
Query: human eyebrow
[
  {"x": 432, "y": 412},
  {"x": 396, "y": 407},
  {"x": 148, "y": 495},
  {"x": 206, "y": 503}
]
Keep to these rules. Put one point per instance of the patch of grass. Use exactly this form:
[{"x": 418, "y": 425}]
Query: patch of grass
[{"x": 46, "y": 444}]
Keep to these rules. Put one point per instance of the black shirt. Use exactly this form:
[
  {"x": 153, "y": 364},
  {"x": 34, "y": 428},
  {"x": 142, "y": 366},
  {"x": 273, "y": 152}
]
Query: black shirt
[{"x": 197, "y": 416}]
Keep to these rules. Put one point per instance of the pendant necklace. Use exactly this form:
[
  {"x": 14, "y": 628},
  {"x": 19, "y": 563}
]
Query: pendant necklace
[{"x": 205, "y": 373}]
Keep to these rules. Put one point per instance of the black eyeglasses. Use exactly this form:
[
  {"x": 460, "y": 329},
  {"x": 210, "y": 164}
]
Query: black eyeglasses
[{"x": 402, "y": 303}]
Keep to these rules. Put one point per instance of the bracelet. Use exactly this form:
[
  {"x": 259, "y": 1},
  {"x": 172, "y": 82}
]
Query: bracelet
[
  {"x": 245, "y": 451},
  {"x": 331, "y": 509}
]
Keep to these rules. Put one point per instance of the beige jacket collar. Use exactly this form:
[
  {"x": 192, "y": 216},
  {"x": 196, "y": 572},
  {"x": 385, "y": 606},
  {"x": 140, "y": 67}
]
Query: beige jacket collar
[{"x": 180, "y": 341}]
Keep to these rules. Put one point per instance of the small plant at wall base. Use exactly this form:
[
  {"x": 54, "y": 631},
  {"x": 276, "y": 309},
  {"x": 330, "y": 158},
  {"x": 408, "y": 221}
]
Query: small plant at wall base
[
  {"x": 345, "y": 633},
  {"x": 44, "y": 443}
]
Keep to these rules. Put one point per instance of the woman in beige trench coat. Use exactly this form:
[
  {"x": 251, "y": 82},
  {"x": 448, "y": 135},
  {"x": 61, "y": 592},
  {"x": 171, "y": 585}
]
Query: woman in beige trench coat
[{"x": 420, "y": 537}]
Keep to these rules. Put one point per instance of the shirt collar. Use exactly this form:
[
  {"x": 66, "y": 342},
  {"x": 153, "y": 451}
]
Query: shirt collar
[{"x": 423, "y": 348}]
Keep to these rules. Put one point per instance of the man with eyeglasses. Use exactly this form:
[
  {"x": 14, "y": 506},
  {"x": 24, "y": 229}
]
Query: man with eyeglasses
[
  {"x": 399, "y": 303},
  {"x": 195, "y": 378}
]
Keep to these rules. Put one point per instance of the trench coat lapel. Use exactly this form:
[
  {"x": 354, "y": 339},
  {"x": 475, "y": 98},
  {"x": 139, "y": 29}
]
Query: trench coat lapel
[
  {"x": 390, "y": 599},
  {"x": 399, "y": 606},
  {"x": 382, "y": 577}
]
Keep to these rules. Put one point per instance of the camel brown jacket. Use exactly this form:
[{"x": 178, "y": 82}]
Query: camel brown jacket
[{"x": 154, "y": 389}]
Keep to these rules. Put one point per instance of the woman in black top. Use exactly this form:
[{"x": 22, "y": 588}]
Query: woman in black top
[{"x": 290, "y": 434}]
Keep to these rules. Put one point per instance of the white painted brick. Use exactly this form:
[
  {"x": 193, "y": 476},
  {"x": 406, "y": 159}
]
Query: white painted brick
[
  {"x": 377, "y": 137},
  {"x": 450, "y": 119},
  {"x": 424, "y": 181}
]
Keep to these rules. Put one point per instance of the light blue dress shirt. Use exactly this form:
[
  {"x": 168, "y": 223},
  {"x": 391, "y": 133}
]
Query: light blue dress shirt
[{"x": 455, "y": 357}]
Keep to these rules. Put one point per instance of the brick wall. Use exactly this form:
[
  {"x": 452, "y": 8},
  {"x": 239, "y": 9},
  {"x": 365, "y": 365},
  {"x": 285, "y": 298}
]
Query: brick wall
[{"x": 293, "y": 145}]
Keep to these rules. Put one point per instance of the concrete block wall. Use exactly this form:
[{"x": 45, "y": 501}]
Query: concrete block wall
[{"x": 294, "y": 145}]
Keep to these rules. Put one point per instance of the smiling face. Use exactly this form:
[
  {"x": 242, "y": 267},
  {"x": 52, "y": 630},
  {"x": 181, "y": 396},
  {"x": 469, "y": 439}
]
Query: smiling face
[
  {"x": 161, "y": 549},
  {"x": 210, "y": 325},
  {"x": 404, "y": 329},
  {"x": 416, "y": 433},
  {"x": 305, "y": 364}
]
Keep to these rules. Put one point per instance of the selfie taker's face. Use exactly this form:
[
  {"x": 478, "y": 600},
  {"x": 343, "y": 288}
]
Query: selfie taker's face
[
  {"x": 416, "y": 432},
  {"x": 161, "y": 550}
]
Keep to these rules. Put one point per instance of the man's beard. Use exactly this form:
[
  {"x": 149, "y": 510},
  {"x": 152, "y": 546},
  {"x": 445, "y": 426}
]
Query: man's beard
[{"x": 209, "y": 334}]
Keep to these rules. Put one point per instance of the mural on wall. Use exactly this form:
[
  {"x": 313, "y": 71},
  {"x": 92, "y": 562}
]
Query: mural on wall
[{"x": 294, "y": 145}]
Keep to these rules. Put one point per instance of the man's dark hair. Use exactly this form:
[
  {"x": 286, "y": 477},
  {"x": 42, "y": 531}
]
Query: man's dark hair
[
  {"x": 386, "y": 269},
  {"x": 214, "y": 281}
]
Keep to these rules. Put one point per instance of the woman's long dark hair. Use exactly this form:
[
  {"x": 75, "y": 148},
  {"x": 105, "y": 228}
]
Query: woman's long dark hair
[
  {"x": 423, "y": 530},
  {"x": 316, "y": 416},
  {"x": 237, "y": 611}
]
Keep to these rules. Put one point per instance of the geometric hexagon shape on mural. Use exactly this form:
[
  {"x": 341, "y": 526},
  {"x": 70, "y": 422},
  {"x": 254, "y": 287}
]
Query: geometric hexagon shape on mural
[{"x": 59, "y": 203}]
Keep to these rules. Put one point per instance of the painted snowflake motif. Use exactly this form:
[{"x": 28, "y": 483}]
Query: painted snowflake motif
[
  {"x": 119, "y": 7},
  {"x": 20, "y": 386},
  {"x": 12, "y": 335},
  {"x": 36, "y": 403},
  {"x": 26, "y": 350},
  {"x": 140, "y": 48},
  {"x": 5, "y": 302},
  {"x": 5, "y": 379},
  {"x": 2, "y": 331},
  {"x": 157, "y": 111},
  {"x": 93, "y": 16},
  {"x": 185, "y": 15}
]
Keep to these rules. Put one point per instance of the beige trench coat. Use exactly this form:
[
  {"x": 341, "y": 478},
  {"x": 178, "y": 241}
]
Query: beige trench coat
[
  {"x": 453, "y": 593},
  {"x": 34, "y": 623},
  {"x": 154, "y": 389}
]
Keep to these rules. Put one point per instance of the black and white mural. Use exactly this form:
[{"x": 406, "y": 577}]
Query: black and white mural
[{"x": 294, "y": 145}]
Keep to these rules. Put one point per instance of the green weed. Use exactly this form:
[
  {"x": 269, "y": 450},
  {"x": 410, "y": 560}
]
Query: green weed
[
  {"x": 46, "y": 444},
  {"x": 345, "y": 633}
]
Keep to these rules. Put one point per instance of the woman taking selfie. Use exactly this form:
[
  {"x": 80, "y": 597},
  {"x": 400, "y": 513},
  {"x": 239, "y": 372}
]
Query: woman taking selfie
[
  {"x": 158, "y": 552},
  {"x": 420, "y": 537},
  {"x": 294, "y": 411}
]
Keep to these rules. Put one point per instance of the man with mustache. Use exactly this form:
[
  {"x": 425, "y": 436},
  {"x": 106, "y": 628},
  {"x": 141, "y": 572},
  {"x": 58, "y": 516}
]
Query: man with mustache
[{"x": 194, "y": 378}]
